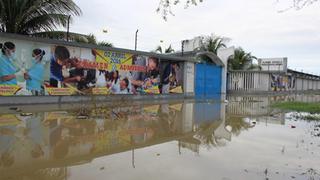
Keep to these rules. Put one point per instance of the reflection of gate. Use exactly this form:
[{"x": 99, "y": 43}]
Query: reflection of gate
[
  {"x": 204, "y": 112},
  {"x": 208, "y": 80}
]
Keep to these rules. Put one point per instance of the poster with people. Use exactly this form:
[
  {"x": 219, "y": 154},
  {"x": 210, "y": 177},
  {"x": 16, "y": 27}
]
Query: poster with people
[{"x": 45, "y": 69}]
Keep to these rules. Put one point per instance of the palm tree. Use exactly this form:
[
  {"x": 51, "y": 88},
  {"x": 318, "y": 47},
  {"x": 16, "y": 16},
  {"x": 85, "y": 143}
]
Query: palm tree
[
  {"x": 166, "y": 51},
  {"x": 241, "y": 60},
  {"x": 91, "y": 39},
  {"x": 32, "y": 16},
  {"x": 106, "y": 44},
  {"x": 214, "y": 43}
]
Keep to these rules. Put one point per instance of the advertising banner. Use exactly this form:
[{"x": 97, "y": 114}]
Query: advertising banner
[{"x": 32, "y": 68}]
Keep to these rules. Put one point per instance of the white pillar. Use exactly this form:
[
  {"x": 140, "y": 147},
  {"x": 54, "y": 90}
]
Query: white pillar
[{"x": 224, "y": 55}]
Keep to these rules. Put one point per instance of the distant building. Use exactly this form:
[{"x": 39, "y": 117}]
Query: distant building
[{"x": 192, "y": 44}]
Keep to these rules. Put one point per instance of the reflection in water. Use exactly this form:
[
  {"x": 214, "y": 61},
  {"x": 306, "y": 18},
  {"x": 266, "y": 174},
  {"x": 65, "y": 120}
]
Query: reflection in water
[
  {"x": 61, "y": 144},
  {"x": 48, "y": 140}
]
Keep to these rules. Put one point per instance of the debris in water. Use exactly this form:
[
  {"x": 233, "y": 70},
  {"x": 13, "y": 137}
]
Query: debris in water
[
  {"x": 266, "y": 172},
  {"x": 26, "y": 114},
  {"x": 82, "y": 117},
  {"x": 293, "y": 127},
  {"x": 19, "y": 110},
  {"x": 158, "y": 154},
  {"x": 13, "y": 108},
  {"x": 246, "y": 171},
  {"x": 102, "y": 168},
  {"x": 293, "y": 177}
]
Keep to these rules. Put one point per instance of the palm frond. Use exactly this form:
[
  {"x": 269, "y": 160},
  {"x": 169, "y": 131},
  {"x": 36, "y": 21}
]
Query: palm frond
[
  {"x": 169, "y": 50},
  {"x": 158, "y": 49},
  {"x": 30, "y": 16}
]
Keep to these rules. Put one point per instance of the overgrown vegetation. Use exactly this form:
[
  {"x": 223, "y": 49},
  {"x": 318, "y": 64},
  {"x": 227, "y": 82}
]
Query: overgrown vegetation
[{"x": 299, "y": 106}]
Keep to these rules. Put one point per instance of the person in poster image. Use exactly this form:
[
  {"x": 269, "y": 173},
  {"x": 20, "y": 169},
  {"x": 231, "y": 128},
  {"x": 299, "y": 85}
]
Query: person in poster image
[
  {"x": 34, "y": 75},
  {"x": 60, "y": 57},
  {"x": 8, "y": 70},
  {"x": 122, "y": 87},
  {"x": 149, "y": 78}
]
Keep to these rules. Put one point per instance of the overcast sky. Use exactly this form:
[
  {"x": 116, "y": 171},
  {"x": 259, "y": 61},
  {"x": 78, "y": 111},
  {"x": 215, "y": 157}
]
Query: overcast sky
[{"x": 255, "y": 25}]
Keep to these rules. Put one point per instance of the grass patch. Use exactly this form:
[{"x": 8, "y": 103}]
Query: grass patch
[
  {"x": 311, "y": 117},
  {"x": 298, "y": 106}
]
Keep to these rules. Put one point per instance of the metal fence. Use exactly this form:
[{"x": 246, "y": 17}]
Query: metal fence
[{"x": 259, "y": 82}]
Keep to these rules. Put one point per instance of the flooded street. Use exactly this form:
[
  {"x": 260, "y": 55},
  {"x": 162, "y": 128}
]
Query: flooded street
[{"x": 241, "y": 139}]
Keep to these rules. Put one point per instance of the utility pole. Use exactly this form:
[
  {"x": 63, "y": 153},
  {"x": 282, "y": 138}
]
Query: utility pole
[
  {"x": 68, "y": 28},
  {"x": 182, "y": 47},
  {"x": 136, "y": 40}
]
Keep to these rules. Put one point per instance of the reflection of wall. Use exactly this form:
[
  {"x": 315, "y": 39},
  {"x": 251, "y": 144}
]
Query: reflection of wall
[
  {"x": 188, "y": 119},
  {"x": 260, "y": 105},
  {"x": 67, "y": 137},
  {"x": 245, "y": 106}
]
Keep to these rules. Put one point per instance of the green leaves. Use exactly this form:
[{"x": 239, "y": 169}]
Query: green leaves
[
  {"x": 241, "y": 60},
  {"x": 31, "y": 16},
  {"x": 213, "y": 43},
  {"x": 166, "y": 51}
]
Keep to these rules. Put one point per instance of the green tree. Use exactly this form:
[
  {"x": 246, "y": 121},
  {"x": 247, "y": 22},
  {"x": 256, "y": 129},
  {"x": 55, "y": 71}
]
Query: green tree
[
  {"x": 241, "y": 60},
  {"x": 213, "y": 43},
  {"x": 106, "y": 44},
  {"x": 91, "y": 38},
  {"x": 31, "y": 16},
  {"x": 166, "y": 51}
]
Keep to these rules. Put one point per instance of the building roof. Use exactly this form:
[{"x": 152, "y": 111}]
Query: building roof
[
  {"x": 302, "y": 74},
  {"x": 195, "y": 55}
]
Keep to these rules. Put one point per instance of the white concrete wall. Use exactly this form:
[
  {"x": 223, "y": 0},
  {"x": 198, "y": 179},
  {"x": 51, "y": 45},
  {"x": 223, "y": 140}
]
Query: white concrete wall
[{"x": 243, "y": 81}]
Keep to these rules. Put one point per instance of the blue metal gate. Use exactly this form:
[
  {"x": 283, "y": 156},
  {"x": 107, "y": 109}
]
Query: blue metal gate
[{"x": 208, "y": 81}]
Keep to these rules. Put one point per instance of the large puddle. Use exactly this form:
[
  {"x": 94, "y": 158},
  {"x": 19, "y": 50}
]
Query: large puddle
[{"x": 244, "y": 139}]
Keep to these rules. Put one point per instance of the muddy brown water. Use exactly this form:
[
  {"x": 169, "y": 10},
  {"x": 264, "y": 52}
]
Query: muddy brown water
[{"x": 243, "y": 139}]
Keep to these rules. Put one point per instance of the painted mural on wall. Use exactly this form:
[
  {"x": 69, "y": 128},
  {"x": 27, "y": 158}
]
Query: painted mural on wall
[
  {"x": 282, "y": 82},
  {"x": 29, "y": 68}
]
